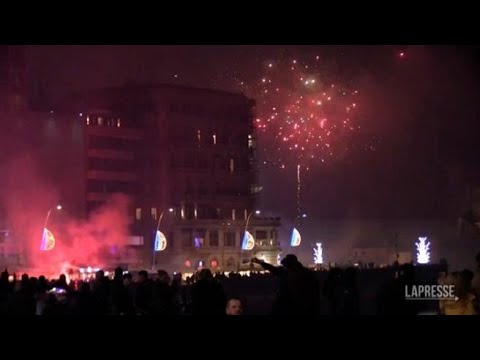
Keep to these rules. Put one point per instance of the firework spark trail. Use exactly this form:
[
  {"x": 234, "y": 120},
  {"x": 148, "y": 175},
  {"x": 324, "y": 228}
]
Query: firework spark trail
[{"x": 299, "y": 195}]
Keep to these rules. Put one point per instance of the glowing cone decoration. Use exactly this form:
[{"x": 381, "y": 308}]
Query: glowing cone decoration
[
  {"x": 48, "y": 240},
  {"x": 160, "y": 241},
  {"x": 296, "y": 238},
  {"x": 248, "y": 242}
]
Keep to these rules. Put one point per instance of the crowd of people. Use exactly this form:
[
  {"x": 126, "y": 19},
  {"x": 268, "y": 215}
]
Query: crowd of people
[{"x": 297, "y": 290}]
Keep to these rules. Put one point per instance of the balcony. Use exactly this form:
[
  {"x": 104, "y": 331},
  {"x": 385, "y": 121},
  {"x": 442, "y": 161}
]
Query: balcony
[
  {"x": 110, "y": 154},
  {"x": 111, "y": 175},
  {"x": 114, "y": 132}
]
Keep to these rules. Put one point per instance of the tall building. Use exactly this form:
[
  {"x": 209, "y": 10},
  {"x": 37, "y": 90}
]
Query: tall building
[
  {"x": 184, "y": 154},
  {"x": 12, "y": 78}
]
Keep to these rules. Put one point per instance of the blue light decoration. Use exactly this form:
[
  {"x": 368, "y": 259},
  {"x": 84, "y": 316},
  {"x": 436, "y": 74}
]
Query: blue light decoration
[
  {"x": 248, "y": 242},
  {"x": 48, "y": 240},
  {"x": 160, "y": 241},
  {"x": 296, "y": 238},
  {"x": 198, "y": 242}
]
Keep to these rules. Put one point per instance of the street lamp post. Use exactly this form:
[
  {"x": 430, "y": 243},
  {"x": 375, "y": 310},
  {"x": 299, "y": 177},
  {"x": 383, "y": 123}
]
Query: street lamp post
[
  {"x": 46, "y": 234},
  {"x": 257, "y": 212},
  {"x": 160, "y": 242},
  {"x": 248, "y": 242}
]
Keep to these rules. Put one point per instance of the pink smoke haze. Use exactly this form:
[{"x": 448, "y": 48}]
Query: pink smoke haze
[{"x": 28, "y": 193}]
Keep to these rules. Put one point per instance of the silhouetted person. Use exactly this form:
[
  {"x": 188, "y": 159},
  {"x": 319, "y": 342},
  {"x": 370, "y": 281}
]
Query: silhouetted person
[
  {"x": 85, "y": 302},
  {"x": 476, "y": 282},
  {"x": 392, "y": 298},
  {"x": 143, "y": 293},
  {"x": 5, "y": 289},
  {"x": 61, "y": 283},
  {"x": 334, "y": 291},
  {"x": 116, "y": 292},
  {"x": 42, "y": 283},
  {"x": 100, "y": 290},
  {"x": 128, "y": 296},
  {"x": 351, "y": 297},
  {"x": 163, "y": 295},
  {"x": 299, "y": 292},
  {"x": 55, "y": 305},
  {"x": 208, "y": 296}
]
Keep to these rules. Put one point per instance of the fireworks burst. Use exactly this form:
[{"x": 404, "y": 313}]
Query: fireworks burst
[{"x": 304, "y": 118}]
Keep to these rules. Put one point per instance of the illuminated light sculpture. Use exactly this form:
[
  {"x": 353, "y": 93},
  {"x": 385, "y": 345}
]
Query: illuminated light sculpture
[
  {"x": 423, "y": 250},
  {"x": 248, "y": 242},
  {"x": 160, "y": 241},
  {"x": 279, "y": 259},
  {"x": 48, "y": 240},
  {"x": 296, "y": 238},
  {"x": 318, "y": 254}
]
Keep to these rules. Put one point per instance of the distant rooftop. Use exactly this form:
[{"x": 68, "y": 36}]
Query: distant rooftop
[{"x": 160, "y": 86}]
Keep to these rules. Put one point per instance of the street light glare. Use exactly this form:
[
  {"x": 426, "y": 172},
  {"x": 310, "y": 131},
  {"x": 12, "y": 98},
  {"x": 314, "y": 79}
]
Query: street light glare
[
  {"x": 257, "y": 212},
  {"x": 59, "y": 207},
  {"x": 171, "y": 209}
]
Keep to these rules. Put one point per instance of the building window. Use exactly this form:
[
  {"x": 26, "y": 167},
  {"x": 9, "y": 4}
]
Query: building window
[
  {"x": 214, "y": 139},
  {"x": 188, "y": 159},
  {"x": 245, "y": 213},
  {"x": 195, "y": 212},
  {"x": 199, "y": 138},
  {"x": 187, "y": 238},
  {"x": 88, "y": 120},
  {"x": 233, "y": 214},
  {"x": 100, "y": 121},
  {"x": 200, "y": 235},
  {"x": 229, "y": 239},
  {"x": 138, "y": 214},
  {"x": 213, "y": 238},
  {"x": 230, "y": 262},
  {"x": 232, "y": 165},
  {"x": 119, "y": 123},
  {"x": 153, "y": 212},
  {"x": 261, "y": 235},
  {"x": 182, "y": 212},
  {"x": 214, "y": 263}
]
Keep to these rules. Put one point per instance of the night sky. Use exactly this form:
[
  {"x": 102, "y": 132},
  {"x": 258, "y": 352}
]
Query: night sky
[{"x": 417, "y": 112}]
